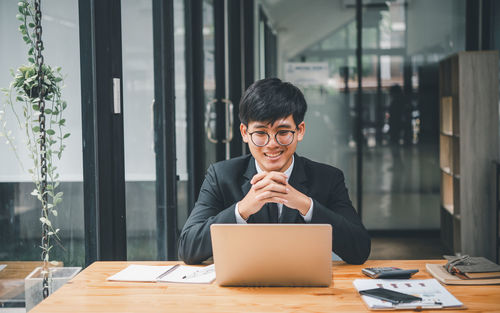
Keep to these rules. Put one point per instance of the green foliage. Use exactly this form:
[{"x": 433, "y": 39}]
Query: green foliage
[{"x": 23, "y": 100}]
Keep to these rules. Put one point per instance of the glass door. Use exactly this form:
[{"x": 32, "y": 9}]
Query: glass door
[{"x": 138, "y": 127}]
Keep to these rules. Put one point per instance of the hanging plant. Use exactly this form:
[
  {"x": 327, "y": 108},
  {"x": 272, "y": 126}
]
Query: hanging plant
[{"x": 34, "y": 98}]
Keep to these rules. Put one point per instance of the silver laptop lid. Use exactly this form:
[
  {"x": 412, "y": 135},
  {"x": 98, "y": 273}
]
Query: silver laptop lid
[{"x": 272, "y": 254}]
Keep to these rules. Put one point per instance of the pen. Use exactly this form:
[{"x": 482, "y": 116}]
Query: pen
[{"x": 170, "y": 270}]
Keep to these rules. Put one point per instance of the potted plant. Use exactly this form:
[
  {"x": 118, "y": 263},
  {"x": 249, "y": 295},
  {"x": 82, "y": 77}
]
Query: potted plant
[{"x": 34, "y": 98}]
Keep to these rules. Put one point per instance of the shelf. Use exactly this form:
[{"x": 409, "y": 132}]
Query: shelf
[
  {"x": 468, "y": 142},
  {"x": 447, "y": 115},
  {"x": 450, "y": 197},
  {"x": 449, "y": 155},
  {"x": 448, "y": 208},
  {"x": 449, "y": 134},
  {"x": 448, "y": 171}
]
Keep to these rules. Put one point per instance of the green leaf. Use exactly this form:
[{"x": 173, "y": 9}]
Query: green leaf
[
  {"x": 36, "y": 107},
  {"x": 36, "y": 129},
  {"x": 19, "y": 98},
  {"x": 31, "y": 60},
  {"x": 20, "y": 17},
  {"x": 31, "y": 25},
  {"x": 26, "y": 39},
  {"x": 62, "y": 121},
  {"x": 48, "y": 111},
  {"x": 50, "y": 131},
  {"x": 66, "y": 135},
  {"x": 45, "y": 221}
]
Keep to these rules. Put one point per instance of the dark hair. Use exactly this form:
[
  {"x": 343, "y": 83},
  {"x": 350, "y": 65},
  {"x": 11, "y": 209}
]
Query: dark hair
[{"x": 270, "y": 99}]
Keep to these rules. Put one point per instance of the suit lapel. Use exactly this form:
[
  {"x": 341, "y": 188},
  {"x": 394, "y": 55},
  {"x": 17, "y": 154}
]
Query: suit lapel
[{"x": 298, "y": 180}]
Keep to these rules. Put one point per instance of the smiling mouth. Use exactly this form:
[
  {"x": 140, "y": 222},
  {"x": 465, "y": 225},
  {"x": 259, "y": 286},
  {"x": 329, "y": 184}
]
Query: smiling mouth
[{"x": 274, "y": 155}]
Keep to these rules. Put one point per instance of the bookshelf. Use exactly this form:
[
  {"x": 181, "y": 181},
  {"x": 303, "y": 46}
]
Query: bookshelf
[{"x": 468, "y": 150}]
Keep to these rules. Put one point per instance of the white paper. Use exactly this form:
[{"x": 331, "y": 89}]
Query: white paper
[
  {"x": 2, "y": 266},
  {"x": 191, "y": 275},
  {"x": 144, "y": 273},
  {"x": 433, "y": 294}
]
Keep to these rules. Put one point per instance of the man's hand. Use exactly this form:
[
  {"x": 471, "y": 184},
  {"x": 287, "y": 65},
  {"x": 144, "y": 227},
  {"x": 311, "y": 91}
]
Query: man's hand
[
  {"x": 266, "y": 187},
  {"x": 297, "y": 200},
  {"x": 272, "y": 187}
]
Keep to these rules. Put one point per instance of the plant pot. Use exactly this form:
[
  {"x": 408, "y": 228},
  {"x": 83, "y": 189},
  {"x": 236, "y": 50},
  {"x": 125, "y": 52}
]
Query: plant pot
[{"x": 33, "y": 283}]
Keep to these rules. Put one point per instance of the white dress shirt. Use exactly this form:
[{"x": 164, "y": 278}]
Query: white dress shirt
[{"x": 288, "y": 172}]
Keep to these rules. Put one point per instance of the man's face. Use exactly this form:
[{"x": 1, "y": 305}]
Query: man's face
[{"x": 273, "y": 156}]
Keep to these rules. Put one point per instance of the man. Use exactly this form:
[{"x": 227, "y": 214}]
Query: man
[{"x": 273, "y": 184}]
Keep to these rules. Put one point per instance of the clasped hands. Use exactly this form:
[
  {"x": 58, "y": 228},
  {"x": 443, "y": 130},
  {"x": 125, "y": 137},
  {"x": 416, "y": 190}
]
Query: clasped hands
[{"x": 272, "y": 187}]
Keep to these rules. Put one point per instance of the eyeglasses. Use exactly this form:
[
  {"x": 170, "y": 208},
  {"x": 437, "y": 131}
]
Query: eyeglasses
[{"x": 282, "y": 137}]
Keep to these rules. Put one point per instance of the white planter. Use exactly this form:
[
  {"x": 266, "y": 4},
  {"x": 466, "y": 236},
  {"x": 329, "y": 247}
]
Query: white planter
[{"x": 33, "y": 283}]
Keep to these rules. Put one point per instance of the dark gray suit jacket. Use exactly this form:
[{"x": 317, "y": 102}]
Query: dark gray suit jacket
[{"x": 227, "y": 182}]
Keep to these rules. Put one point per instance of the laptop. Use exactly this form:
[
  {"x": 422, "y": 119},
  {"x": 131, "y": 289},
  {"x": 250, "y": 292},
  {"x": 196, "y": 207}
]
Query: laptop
[{"x": 272, "y": 254}]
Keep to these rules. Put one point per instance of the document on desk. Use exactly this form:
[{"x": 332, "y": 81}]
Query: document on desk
[
  {"x": 2, "y": 266},
  {"x": 433, "y": 294},
  {"x": 172, "y": 274},
  {"x": 190, "y": 275}
]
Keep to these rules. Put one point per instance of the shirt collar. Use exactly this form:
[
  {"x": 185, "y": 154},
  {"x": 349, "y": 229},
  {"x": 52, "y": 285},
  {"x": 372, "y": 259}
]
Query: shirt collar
[{"x": 288, "y": 171}]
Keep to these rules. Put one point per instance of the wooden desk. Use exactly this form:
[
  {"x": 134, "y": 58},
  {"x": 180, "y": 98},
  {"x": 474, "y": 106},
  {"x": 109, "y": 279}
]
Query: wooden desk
[{"x": 90, "y": 292}]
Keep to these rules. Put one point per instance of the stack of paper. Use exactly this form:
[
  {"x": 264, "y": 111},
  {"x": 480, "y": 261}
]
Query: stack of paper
[
  {"x": 432, "y": 293},
  {"x": 173, "y": 274}
]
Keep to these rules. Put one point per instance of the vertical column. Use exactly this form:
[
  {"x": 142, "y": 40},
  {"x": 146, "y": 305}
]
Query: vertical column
[{"x": 102, "y": 128}]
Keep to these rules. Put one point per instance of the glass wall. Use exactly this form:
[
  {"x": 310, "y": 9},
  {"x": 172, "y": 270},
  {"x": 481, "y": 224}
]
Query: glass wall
[
  {"x": 402, "y": 43},
  {"x": 138, "y": 119},
  {"x": 317, "y": 53},
  {"x": 401, "y": 184},
  {"x": 20, "y": 227}
]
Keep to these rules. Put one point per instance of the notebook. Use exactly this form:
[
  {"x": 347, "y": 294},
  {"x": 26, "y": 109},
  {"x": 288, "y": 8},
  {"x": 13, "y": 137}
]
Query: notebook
[{"x": 272, "y": 254}]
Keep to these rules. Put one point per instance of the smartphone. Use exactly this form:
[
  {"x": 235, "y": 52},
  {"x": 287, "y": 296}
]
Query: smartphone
[{"x": 390, "y": 295}]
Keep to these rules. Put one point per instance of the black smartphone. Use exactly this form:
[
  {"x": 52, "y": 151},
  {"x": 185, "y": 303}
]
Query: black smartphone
[{"x": 390, "y": 295}]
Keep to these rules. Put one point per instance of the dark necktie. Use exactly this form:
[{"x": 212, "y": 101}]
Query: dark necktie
[{"x": 273, "y": 212}]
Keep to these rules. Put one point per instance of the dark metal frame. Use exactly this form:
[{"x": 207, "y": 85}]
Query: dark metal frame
[
  {"x": 359, "y": 110},
  {"x": 195, "y": 97},
  {"x": 164, "y": 125},
  {"x": 220, "y": 76},
  {"x": 479, "y": 19},
  {"x": 235, "y": 79},
  {"x": 103, "y": 159}
]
